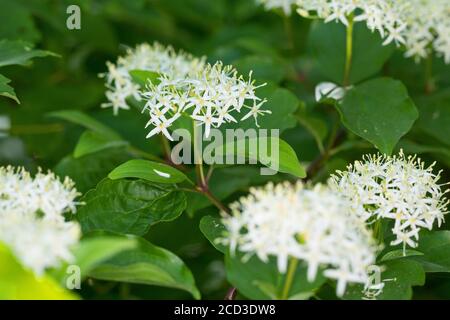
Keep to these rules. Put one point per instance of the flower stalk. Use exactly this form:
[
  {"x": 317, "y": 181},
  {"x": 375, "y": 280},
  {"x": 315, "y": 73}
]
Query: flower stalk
[
  {"x": 348, "y": 50},
  {"x": 293, "y": 263}
]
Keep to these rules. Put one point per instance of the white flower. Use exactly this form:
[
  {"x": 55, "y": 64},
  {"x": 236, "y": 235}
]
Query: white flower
[
  {"x": 23, "y": 195},
  {"x": 285, "y": 5},
  {"x": 156, "y": 58},
  {"x": 186, "y": 85},
  {"x": 419, "y": 25},
  {"x": 310, "y": 224},
  {"x": 398, "y": 188},
  {"x": 31, "y": 217},
  {"x": 210, "y": 97},
  {"x": 329, "y": 90},
  {"x": 38, "y": 243}
]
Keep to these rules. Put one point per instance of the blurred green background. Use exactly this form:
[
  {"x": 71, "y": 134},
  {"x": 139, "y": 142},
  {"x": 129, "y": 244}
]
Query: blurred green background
[{"x": 238, "y": 32}]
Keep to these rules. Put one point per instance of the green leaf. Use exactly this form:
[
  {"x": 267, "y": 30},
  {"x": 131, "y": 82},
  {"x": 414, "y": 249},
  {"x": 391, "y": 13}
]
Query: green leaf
[
  {"x": 328, "y": 44},
  {"x": 264, "y": 68},
  {"x": 212, "y": 228},
  {"x": 144, "y": 77},
  {"x": 261, "y": 281},
  {"x": 129, "y": 206},
  {"x": 440, "y": 152},
  {"x": 93, "y": 250},
  {"x": 147, "y": 170},
  {"x": 399, "y": 277},
  {"x": 285, "y": 160},
  {"x": 88, "y": 170},
  {"x": 86, "y": 121},
  {"x": 400, "y": 254},
  {"x": 147, "y": 264},
  {"x": 19, "y": 53},
  {"x": 18, "y": 283},
  {"x": 436, "y": 251},
  {"x": 282, "y": 104},
  {"x": 380, "y": 111},
  {"x": 92, "y": 141},
  {"x": 6, "y": 90}
]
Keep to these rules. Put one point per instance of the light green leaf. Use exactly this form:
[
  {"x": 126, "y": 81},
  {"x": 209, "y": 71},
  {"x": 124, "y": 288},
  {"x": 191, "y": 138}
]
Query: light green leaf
[
  {"x": 92, "y": 141},
  {"x": 144, "y": 77},
  {"x": 86, "y": 121},
  {"x": 380, "y": 111},
  {"x": 19, "y": 53},
  {"x": 129, "y": 206},
  {"x": 6, "y": 90},
  {"x": 213, "y": 229},
  {"x": 91, "y": 251},
  {"x": 147, "y": 264},
  {"x": 17, "y": 283},
  {"x": 94, "y": 249},
  {"x": 147, "y": 170},
  {"x": 282, "y": 160}
]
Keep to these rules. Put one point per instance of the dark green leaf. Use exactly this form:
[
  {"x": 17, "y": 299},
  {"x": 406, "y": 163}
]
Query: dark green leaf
[
  {"x": 258, "y": 280},
  {"x": 328, "y": 44},
  {"x": 88, "y": 170},
  {"x": 264, "y": 68},
  {"x": 379, "y": 111},
  {"x": 129, "y": 206},
  {"x": 399, "y": 277},
  {"x": 435, "y": 115},
  {"x": 436, "y": 251}
]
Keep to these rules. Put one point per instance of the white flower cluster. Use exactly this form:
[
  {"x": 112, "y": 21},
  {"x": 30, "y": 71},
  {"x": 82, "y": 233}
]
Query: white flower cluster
[
  {"x": 419, "y": 25},
  {"x": 31, "y": 217},
  {"x": 186, "y": 85},
  {"x": 285, "y": 5},
  {"x": 309, "y": 224},
  {"x": 155, "y": 58},
  {"x": 398, "y": 188},
  {"x": 428, "y": 28}
]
